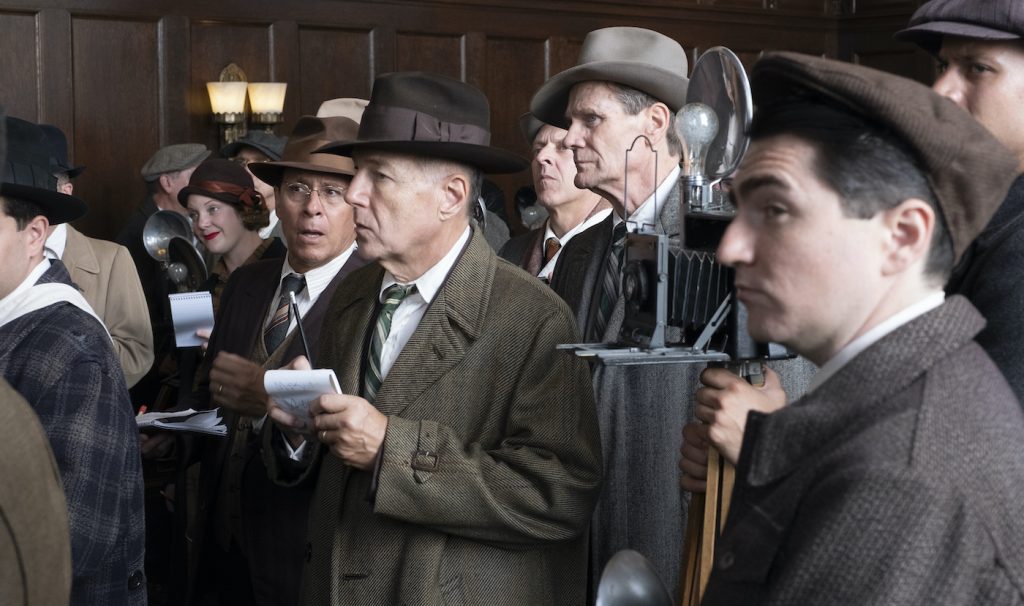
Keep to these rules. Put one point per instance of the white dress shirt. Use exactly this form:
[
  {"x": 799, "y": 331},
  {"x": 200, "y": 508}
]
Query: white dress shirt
[
  {"x": 854, "y": 347},
  {"x": 269, "y": 229},
  {"x": 646, "y": 217},
  {"x": 316, "y": 282},
  {"x": 55, "y": 244},
  {"x": 410, "y": 311},
  {"x": 545, "y": 272}
]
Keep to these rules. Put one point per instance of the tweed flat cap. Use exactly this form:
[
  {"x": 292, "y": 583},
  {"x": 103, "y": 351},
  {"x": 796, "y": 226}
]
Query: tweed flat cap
[
  {"x": 172, "y": 158},
  {"x": 969, "y": 171},
  {"x": 979, "y": 19}
]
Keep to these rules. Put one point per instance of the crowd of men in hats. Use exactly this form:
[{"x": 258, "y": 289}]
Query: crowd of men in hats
[{"x": 466, "y": 458}]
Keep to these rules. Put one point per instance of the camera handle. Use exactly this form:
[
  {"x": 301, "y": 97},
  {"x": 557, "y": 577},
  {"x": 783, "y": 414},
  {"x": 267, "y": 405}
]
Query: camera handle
[{"x": 706, "y": 516}]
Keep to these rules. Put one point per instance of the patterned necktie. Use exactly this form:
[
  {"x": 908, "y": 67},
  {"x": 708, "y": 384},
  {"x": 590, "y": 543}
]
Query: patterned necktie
[
  {"x": 551, "y": 248},
  {"x": 277, "y": 329},
  {"x": 393, "y": 297},
  {"x": 612, "y": 279}
]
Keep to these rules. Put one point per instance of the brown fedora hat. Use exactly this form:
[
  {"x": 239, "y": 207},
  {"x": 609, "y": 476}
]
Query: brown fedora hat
[
  {"x": 977, "y": 19},
  {"x": 301, "y": 151},
  {"x": 429, "y": 115},
  {"x": 632, "y": 56},
  {"x": 968, "y": 170}
]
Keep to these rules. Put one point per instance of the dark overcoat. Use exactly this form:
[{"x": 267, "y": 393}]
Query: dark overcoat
[
  {"x": 991, "y": 275},
  {"x": 900, "y": 480},
  {"x": 526, "y": 251},
  {"x": 272, "y": 528},
  {"x": 60, "y": 359},
  {"x": 491, "y": 461}
]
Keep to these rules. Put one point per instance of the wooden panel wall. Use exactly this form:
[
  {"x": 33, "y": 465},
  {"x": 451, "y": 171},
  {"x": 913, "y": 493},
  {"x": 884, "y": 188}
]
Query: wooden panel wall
[{"x": 123, "y": 77}]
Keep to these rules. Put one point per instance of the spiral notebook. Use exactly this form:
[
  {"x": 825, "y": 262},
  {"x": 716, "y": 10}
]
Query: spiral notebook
[{"x": 190, "y": 311}]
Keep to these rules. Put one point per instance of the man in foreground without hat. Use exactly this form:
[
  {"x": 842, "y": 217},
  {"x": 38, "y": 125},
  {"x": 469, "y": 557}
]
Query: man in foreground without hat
[
  {"x": 463, "y": 462},
  {"x": 898, "y": 478},
  {"x": 105, "y": 274},
  {"x": 628, "y": 82},
  {"x": 252, "y": 533},
  {"x": 571, "y": 210},
  {"x": 56, "y": 353}
]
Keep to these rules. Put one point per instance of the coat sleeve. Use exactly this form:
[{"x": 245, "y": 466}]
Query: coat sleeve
[
  {"x": 539, "y": 482},
  {"x": 127, "y": 318},
  {"x": 884, "y": 536}
]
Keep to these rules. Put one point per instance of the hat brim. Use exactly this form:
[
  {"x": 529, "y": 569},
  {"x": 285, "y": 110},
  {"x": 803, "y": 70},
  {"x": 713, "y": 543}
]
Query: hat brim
[
  {"x": 929, "y": 35},
  {"x": 552, "y": 98},
  {"x": 271, "y": 173},
  {"x": 488, "y": 159},
  {"x": 74, "y": 172},
  {"x": 196, "y": 191},
  {"x": 56, "y": 207}
]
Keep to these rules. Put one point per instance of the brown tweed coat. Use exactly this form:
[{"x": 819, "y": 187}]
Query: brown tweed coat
[
  {"x": 491, "y": 463},
  {"x": 900, "y": 480}
]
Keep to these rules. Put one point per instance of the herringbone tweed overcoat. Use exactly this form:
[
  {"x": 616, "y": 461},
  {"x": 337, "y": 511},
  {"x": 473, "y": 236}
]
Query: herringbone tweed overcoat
[
  {"x": 900, "y": 480},
  {"x": 491, "y": 463}
]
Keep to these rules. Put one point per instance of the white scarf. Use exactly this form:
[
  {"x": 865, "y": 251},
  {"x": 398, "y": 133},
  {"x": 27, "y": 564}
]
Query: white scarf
[{"x": 31, "y": 297}]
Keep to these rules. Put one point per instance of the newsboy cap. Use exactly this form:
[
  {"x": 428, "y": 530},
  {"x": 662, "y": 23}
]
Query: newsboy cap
[
  {"x": 632, "y": 56},
  {"x": 28, "y": 173},
  {"x": 979, "y": 19},
  {"x": 268, "y": 144},
  {"x": 172, "y": 158},
  {"x": 430, "y": 115},
  {"x": 310, "y": 134},
  {"x": 968, "y": 170}
]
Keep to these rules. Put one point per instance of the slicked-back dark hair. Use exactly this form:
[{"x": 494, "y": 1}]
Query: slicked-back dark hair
[
  {"x": 870, "y": 169},
  {"x": 22, "y": 211}
]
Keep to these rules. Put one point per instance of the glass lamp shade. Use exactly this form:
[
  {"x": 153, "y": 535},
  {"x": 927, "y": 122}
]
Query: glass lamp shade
[
  {"x": 267, "y": 97},
  {"x": 227, "y": 97}
]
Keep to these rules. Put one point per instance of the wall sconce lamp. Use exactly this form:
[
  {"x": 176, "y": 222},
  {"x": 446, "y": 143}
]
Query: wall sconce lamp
[{"x": 227, "y": 100}]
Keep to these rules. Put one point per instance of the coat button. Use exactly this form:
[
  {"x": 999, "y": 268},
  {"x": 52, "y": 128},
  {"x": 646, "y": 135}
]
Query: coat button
[
  {"x": 727, "y": 560},
  {"x": 309, "y": 551},
  {"x": 136, "y": 580}
]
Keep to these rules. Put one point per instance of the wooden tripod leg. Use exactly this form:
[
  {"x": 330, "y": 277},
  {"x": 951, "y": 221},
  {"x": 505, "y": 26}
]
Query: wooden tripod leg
[{"x": 701, "y": 533}]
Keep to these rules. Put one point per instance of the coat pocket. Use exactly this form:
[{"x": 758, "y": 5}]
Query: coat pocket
[{"x": 748, "y": 549}]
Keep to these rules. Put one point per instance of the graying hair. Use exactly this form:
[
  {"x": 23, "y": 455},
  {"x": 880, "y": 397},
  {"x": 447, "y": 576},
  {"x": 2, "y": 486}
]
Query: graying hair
[{"x": 635, "y": 101}]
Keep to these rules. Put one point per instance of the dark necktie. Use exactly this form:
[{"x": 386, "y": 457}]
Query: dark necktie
[
  {"x": 612, "y": 279},
  {"x": 393, "y": 297},
  {"x": 551, "y": 248},
  {"x": 277, "y": 329}
]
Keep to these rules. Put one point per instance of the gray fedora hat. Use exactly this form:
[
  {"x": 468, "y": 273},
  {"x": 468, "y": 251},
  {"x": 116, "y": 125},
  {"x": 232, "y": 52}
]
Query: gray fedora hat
[
  {"x": 978, "y": 19},
  {"x": 310, "y": 134},
  {"x": 632, "y": 56}
]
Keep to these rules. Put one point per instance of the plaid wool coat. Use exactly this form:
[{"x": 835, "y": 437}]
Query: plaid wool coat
[
  {"x": 491, "y": 463},
  {"x": 61, "y": 361}
]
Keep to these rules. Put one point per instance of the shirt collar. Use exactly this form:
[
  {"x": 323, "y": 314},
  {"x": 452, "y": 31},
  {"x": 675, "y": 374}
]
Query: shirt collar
[
  {"x": 587, "y": 223},
  {"x": 856, "y": 346},
  {"x": 318, "y": 278},
  {"x": 645, "y": 217},
  {"x": 433, "y": 279},
  {"x": 58, "y": 240}
]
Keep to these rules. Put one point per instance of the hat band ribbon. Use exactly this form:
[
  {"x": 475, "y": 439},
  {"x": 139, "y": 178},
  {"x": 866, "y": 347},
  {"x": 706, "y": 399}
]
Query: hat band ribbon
[
  {"x": 385, "y": 123},
  {"x": 246, "y": 195}
]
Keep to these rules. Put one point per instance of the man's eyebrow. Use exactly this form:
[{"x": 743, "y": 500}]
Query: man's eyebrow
[{"x": 748, "y": 186}]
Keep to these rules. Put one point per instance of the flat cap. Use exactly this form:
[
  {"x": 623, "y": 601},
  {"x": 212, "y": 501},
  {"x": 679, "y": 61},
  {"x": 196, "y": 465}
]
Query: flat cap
[
  {"x": 268, "y": 144},
  {"x": 969, "y": 171},
  {"x": 173, "y": 158},
  {"x": 978, "y": 19}
]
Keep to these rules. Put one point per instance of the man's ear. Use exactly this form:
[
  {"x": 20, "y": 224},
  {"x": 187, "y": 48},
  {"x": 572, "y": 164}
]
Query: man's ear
[
  {"x": 35, "y": 233},
  {"x": 657, "y": 123},
  {"x": 165, "y": 183},
  {"x": 910, "y": 225},
  {"x": 454, "y": 196}
]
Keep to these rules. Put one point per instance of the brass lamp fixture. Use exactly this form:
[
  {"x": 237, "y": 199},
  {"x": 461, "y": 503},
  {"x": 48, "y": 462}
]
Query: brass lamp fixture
[{"x": 227, "y": 100}]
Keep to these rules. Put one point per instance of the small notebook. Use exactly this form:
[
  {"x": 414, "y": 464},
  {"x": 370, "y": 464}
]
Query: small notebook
[
  {"x": 295, "y": 390},
  {"x": 191, "y": 311}
]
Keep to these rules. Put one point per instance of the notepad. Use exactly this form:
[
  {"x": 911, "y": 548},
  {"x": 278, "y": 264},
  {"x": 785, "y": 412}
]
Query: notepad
[
  {"x": 191, "y": 311},
  {"x": 295, "y": 390}
]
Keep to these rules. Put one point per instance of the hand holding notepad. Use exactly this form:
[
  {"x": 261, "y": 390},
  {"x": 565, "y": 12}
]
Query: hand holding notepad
[{"x": 295, "y": 390}]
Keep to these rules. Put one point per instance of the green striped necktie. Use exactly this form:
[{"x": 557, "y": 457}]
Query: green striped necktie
[{"x": 393, "y": 297}]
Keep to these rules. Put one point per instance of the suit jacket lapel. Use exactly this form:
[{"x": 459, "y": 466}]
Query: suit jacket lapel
[
  {"x": 351, "y": 312},
  {"x": 454, "y": 319},
  {"x": 78, "y": 254}
]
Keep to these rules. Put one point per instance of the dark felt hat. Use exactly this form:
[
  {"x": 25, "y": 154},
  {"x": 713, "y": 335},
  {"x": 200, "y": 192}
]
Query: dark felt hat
[
  {"x": 59, "y": 151},
  {"x": 28, "y": 173},
  {"x": 221, "y": 180},
  {"x": 310, "y": 134},
  {"x": 969, "y": 171},
  {"x": 529, "y": 125},
  {"x": 268, "y": 144},
  {"x": 632, "y": 56},
  {"x": 979, "y": 19},
  {"x": 430, "y": 115}
]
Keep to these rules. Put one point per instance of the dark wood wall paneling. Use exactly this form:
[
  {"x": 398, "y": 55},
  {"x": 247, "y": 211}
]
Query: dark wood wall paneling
[{"x": 123, "y": 78}]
